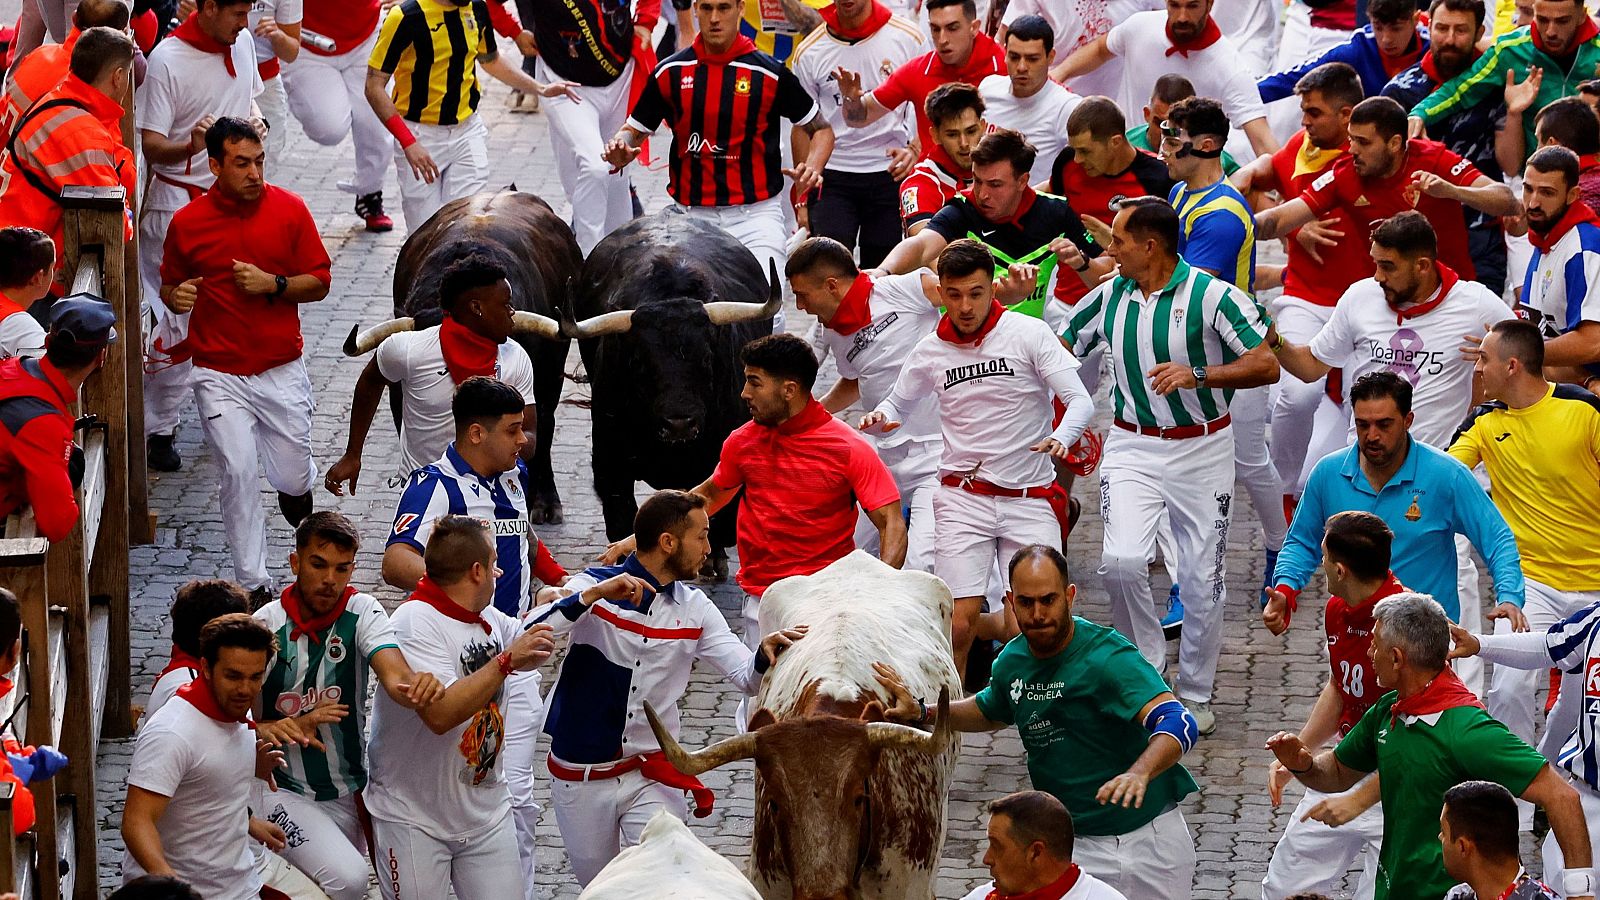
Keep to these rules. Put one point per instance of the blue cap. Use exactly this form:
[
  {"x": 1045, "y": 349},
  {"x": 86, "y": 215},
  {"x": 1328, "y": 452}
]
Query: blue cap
[{"x": 83, "y": 319}]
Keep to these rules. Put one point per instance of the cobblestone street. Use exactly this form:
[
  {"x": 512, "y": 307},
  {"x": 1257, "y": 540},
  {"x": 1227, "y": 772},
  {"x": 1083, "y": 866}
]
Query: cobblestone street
[{"x": 1264, "y": 683}]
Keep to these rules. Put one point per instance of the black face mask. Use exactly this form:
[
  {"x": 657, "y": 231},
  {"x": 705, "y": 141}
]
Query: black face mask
[{"x": 1187, "y": 149}]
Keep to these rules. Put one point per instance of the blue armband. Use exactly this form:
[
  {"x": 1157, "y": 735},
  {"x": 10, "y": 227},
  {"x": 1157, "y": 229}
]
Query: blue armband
[{"x": 1171, "y": 718}]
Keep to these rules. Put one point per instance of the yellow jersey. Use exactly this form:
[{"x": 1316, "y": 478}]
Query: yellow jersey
[{"x": 432, "y": 49}]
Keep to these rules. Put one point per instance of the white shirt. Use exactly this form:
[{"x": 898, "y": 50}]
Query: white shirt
[
  {"x": 901, "y": 317},
  {"x": 1363, "y": 335},
  {"x": 995, "y": 399},
  {"x": 821, "y": 54},
  {"x": 166, "y": 686},
  {"x": 21, "y": 335},
  {"x": 205, "y": 767},
  {"x": 282, "y": 12},
  {"x": 415, "y": 361},
  {"x": 424, "y": 779},
  {"x": 1218, "y": 71},
  {"x": 1252, "y": 25},
  {"x": 182, "y": 86},
  {"x": 1087, "y": 887},
  {"x": 1042, "y": 118},
  {"x": 1079, "y": 22}
]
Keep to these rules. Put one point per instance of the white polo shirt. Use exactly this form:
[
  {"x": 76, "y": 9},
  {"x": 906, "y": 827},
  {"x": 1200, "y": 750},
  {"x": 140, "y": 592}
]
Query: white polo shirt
[
  {"x": 1042, "y": 118},
  {"x": 414, "y": 360},
  {"x": 181, "y": 86},
  {"x": 1366, "y": 335},
  {"x": 205, "y": 767},
  {"x": 820, "y": 54}
]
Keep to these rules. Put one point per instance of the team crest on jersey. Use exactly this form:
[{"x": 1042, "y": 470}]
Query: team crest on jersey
[
  {"x": 335, "y": 650},
  {"x": 886, "y": 68},
  {"x": 1414, "y": 512},
  {"x": 742, "y": 85},
  {"x": 687, "y": 81},
  {"x": 404, "y": 521}
]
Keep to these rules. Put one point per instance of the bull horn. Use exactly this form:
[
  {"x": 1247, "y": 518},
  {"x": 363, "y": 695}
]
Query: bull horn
[
  {"x": 730, "y": 313},
  {"x": 694, "y": 763},
  {"x": 367, "y": 341},
  {"x": 887, "y": 734},
  {"x": 616, "y": 322},
  {"x": 535, "y": 324}
]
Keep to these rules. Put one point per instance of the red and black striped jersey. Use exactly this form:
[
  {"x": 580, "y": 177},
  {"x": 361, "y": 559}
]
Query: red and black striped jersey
[{"x": 724, "y": 111}]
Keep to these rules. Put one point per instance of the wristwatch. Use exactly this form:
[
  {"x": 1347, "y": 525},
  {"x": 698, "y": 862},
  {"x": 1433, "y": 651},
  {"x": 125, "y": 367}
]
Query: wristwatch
[
  {"x": 1199, "y": 376},
  {"x": 283, "y": 285}
]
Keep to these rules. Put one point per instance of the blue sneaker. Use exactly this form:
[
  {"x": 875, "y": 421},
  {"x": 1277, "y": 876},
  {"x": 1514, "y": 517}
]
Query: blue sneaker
[
  {"x": 1266, "y": 577},
  {"x": 1172, "y": 622}
]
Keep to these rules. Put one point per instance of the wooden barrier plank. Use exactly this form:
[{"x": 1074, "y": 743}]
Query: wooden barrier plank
[
  {"x": 141, "y": 523},
  {"x": 9, "y": 863},
  {"x": 30, "y": 586}
]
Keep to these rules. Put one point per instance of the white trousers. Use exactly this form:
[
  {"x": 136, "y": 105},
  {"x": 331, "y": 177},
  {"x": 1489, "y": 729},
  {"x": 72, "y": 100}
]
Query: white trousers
[
  {"x": 1252, "y": 462},
  {"x": 598, "y": 819},
  {"x": 1511, "y": 697},
  {"x": 1192, "y": 480},
  {"x": 413, "y": 864},
  {"x": 601, "y": 202},
  {"x": 1554, "y": 863},
  {"x": 275, "y": 109},
  {"x": 1312, "y": 857},
  {"x": 1294, "y": 402},
  {"x": 254, "y": 422},
  {"x": 1154, "y": 860},
  {"x": 1469, "y": 669},
  {"x": 277, "y": 873},
  {"x": 760, "y": 227},
  {"x": 524, "y": 718},
  {"x": 462, "y": 154},
  {"x": 914, "y": 467},
  {"x": 328, "y": 95},
  {"x": 972, "y": 532},
  {"x": 166, "y": 389},
  {"x": 325, "y": 841}
]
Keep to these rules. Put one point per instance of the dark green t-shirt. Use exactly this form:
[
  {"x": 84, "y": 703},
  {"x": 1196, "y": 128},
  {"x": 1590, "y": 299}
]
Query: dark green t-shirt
[
  {"x": 1416, "y": 764},
  {"x": 1078, "y": 715}
]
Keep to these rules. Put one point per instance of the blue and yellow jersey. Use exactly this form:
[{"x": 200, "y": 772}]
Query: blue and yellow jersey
[
  {"x": 765, "y": 23},
  {"x": 1217, "y": 232}
]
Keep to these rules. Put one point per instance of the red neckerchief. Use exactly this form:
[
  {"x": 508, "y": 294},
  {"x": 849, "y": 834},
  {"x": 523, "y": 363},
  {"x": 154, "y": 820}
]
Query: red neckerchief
[
  {"x": 1576, "y": 214},
  {"x": 656, "y": 768},
  {"x": 1586, "y": 33},
  {"x": 189, "y": 32},
  {"x": 466, "y": 353},
  {"x": 854, "y": 312},
  {"x": 181, "y": 660},
  {"x": 813, "y": 415},
  {"x": 947, "y": 329},
  {"x": 877, "y": 18},
  {"x": 1444, "y": 692},
  {"x": 311, "y": 626},
  {"x": 1026, "y": 203},
  {"x": 5, "y": 686},
  {"x": 1394, "y": 65},
  {"x": 1055, "y": 890},
  {"x": 1447, "y": 283},
  {"x": 1208, "y": 35},
  {"x": 198, "y": 693},
  {"x": 741, "y": 46},
  {"x": 433, "y": 595}
]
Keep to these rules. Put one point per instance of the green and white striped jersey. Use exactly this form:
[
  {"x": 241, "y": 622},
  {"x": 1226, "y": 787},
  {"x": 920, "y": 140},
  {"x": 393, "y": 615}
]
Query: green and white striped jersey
[
  {"x": 1196, "y": 320},
  {"x": 333, "y": 665}
]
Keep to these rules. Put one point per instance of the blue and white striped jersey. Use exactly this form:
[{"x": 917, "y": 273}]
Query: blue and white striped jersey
[
  {"x": 1574, "y": 647},
  {"x": 450, "y": 487},
  {"x": 1562, "y": 286}
]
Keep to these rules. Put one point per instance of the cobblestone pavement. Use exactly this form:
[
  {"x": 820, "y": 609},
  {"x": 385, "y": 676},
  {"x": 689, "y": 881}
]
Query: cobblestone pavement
[{"x": 1264, "y": 683}]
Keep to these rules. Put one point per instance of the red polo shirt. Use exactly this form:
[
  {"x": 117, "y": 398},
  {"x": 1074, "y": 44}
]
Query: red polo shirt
[
  {"x": 917, "y": 78},
  {"x": 802, "y": 481},
  {"x": 232, "y": 331}
]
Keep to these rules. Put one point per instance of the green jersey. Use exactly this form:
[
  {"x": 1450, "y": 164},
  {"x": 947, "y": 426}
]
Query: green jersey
[
  {"x": 1078, "y": 715},
  {"x": 332, "y": 665},
  {"x": 1417, "y": 759}
]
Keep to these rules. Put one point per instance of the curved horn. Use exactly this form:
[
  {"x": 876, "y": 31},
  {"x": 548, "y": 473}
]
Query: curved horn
[
  {"x": 888, "y": 734},
  {"x": 535, "y": 324},
  {"x": 368, "y": 340},
  {"x": 729, "y": 313},
  {"x": 617, "y": 322},
  {"x": 698, "y": 761}
]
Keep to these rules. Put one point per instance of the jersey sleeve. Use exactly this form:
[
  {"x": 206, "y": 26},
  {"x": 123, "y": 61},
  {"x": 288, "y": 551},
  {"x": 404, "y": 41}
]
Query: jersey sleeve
[
  {"x": 1127, "y": 682},
  {"x": 1241, "y": 99},
  {"x": 1457, "y": 169},
  {"x": 1322, "y": 195},
  {"x": 1359, "y": 749},
  {"x": 728, "y": 474},
  {"x": 21, "y": 335},
  {"x": 651, "y": 109},
  {"x": 994, "y": 701},
  {"x": 726, "y": 652},
  {"x": 1465, "y": 448},
  {"x": 920, "y": 199},
  {"x": 869, "y": 478},
  {"x": 1485, "y": 748},
  {"x": 1482, "y": 79},
  {"x": 1581, "y": 275},
  {"x": 1084, "y": 329},
  {"x": 374, "y": 631},
  {"x": 1568, "y": 640},
  {"x": 423, "y": 502},
  {"x": 896, "y": 89},
  {"x": 518, "y": 372},
  {"x": 949, "y": 222},
  {"x": 160, "y": 760},
  {"x": 1119, "y": 37},
  {"x": 1334, "y": 341},
  {"x": 394, "y": 39},
  {"x": 794, "y": 102},
  {"x": 393, "y": 359},
  {"x": 1238, "y": 321},
  {"x": 424, "y": 648},
  {"x": 309, "y": 250}
]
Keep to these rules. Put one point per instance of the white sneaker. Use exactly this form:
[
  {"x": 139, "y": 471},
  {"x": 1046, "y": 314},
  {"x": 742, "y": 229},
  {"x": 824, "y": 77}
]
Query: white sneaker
[{"x": 1204, "y": 718}]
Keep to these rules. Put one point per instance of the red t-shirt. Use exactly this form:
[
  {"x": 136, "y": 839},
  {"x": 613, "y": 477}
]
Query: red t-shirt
[
  {"x": 1371, "y": 200},
  {"x": 1349, "y": 638},
  {"x": 802, "y": 482},
  {"x": 916, "y": 79},
  {"x": 232, "y": 331},
  {"x": 347, "y": 22},
  {"x": 1294, "y": 167},
  {"x": 933, "y": 180}
]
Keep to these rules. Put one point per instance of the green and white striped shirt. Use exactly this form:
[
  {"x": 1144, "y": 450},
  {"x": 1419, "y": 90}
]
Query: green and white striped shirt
[
  {"x": 335, "y": 667},
  {"x": 1196, "y": 320}
]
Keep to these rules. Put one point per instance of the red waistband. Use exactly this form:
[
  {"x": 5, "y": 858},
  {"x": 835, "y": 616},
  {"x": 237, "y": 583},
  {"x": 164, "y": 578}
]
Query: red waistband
[
  {"x": 194, "y": 192},
  {"x": 597, "y": 772},
  {"x": 986, "y": 489},
  {"x": 1178, "y": 432}
]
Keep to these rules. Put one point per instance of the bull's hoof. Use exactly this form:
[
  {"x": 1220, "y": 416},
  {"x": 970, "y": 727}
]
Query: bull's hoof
[{"x": 544, "y": 510}]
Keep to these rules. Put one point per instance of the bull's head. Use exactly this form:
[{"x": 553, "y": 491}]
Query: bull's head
[
  {"x": 815, "y": 785},
  {"x": 521, "y": 323},
  {"x": 672, "y": 364}
]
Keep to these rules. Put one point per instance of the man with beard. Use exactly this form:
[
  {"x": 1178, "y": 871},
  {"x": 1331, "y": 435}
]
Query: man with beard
[
  {"x": 955, "y": 111},
  {"x": 1456, "y": 26},
  {"x": 1104, "y": 735},
  {"x": 1393, "y": 40},
  {"x": 635, "y": 629},
  {"x": 1559, "y": 294}
]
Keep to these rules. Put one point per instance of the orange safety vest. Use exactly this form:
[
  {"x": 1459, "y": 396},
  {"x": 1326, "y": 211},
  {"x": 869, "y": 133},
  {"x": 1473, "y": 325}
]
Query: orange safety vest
[
  {"x": 72, "y": 136},
  {"x": 39, "y": 73}
]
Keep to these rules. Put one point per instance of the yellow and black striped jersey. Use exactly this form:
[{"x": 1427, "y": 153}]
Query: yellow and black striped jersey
[{"x": 432, "y": 48}]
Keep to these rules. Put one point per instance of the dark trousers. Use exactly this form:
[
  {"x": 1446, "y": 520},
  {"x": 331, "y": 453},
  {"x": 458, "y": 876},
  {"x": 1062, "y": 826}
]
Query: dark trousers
[{"x": 858, "y": 209}]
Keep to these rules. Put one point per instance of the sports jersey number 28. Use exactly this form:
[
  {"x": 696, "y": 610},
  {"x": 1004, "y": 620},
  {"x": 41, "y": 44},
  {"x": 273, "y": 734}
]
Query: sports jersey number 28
[{"x": 1350, "y": 676}]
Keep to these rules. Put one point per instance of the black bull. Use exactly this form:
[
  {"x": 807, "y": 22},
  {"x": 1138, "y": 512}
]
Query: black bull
[{"x": 663, "y": 307}]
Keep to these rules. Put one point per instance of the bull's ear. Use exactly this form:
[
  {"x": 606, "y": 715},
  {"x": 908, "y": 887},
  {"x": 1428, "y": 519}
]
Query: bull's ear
[
  {"x": 762, "y": 718},
  {"x": 872, "y": 712}
]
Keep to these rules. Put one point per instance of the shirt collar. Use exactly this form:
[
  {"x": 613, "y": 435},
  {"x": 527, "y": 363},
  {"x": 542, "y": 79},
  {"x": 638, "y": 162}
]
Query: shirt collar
[
  {"x": 1180, "y": 273},
  {"x": 100, "y": 106},
  {"x": 633, "y": 567},
  {"x": 1351, "y": 469},
  {"x": 461, "y": 465}
]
